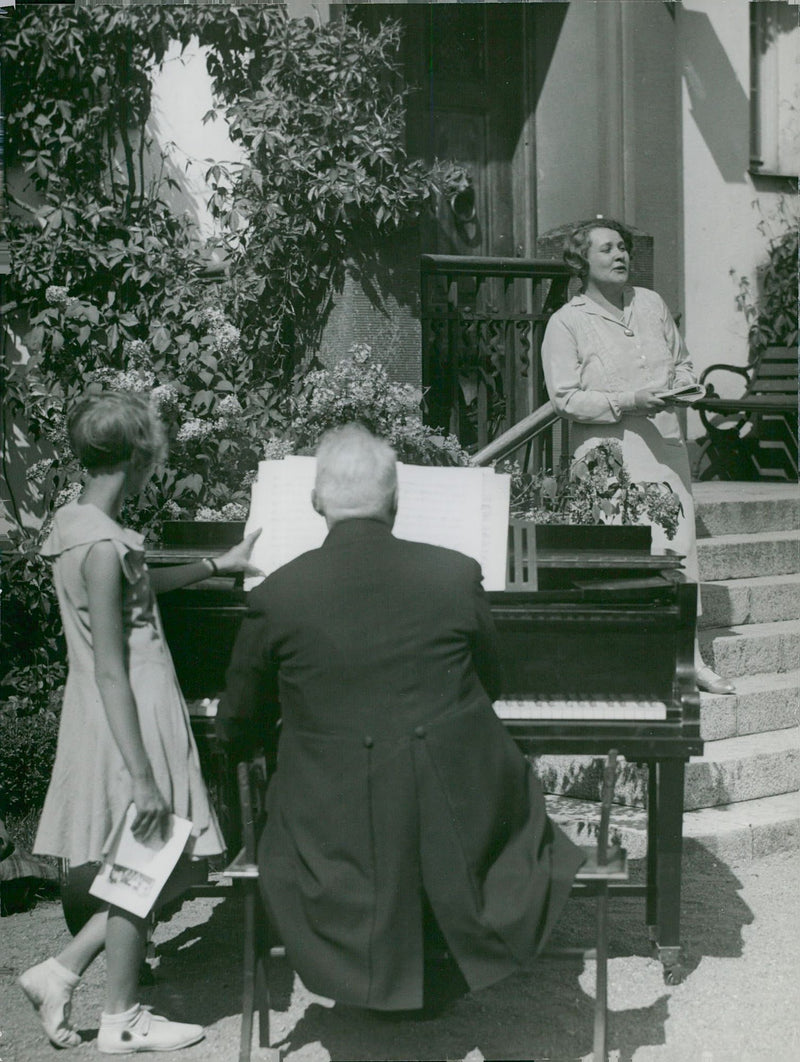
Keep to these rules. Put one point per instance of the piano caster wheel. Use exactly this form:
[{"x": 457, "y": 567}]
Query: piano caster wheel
[{"x": 671, "y": 962}]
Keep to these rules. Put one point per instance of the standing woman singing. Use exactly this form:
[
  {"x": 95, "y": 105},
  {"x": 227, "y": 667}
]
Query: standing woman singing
[
  {"x": 124, "y": 734},
  {"x": 606, "y": 354}
]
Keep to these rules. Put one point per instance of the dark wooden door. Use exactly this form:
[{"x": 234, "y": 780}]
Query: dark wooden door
[{"x": 466, "y": 65}]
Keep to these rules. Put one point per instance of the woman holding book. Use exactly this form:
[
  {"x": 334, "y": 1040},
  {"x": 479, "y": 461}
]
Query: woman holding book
[
  {"x": 610, "y": 357},
  {"x": 124, "y": 736}
]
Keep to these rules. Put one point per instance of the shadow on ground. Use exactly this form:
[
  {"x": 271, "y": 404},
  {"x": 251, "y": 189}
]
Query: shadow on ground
[{"x": 544, "y": 1015}]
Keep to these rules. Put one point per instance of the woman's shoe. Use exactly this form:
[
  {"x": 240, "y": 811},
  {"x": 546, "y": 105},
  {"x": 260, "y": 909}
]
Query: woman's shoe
[
  {"x": 710, "y": 682},
  {"x": 138, "y": 1029},
  {"x": 49, "y": 987}
]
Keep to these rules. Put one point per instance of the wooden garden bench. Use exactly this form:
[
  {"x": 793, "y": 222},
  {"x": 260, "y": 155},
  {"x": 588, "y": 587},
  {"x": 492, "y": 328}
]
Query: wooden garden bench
[{"x": 753, "y": 436}]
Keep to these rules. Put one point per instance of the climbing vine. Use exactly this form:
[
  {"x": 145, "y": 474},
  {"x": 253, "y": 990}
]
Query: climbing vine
[
  {"x": 107, "y": 286},
  {"x": 102, "y": 267}
]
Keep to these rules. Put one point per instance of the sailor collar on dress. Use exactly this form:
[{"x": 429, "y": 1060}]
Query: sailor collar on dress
[
  {"x": 588, "y": 305},
  {"x": 77, "y": 524}
]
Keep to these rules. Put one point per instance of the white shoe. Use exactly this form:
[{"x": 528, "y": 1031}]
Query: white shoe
[
  {"x": 710, "y": 682},
  {"x": 139, "y": 1029},
  {"x": 49, "y": 987}
]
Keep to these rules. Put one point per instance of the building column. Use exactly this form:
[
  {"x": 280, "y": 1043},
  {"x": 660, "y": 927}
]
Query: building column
[{"x": 615, "y": 120}]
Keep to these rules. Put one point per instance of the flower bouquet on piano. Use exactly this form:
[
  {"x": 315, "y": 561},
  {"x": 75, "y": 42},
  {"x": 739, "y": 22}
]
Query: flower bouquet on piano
[
  {"x": 595, "y": 489},
  {"x": 685, "y": 395}
]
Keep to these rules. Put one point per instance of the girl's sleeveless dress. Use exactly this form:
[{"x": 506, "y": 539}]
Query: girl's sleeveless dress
[{"x": 91, "y": 788}]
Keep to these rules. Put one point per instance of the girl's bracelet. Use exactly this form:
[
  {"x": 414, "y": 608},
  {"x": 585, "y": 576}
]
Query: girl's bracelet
[{"x": 214, "y": 566}]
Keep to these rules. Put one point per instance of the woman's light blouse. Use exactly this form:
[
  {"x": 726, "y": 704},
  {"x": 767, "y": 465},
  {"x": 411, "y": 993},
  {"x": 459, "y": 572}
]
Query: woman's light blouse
[{"x": 594, "y": 363}]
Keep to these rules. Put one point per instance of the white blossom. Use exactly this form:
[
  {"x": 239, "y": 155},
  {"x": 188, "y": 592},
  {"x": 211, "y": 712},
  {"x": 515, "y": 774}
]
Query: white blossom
[
  {"x": 229, "y": 406},
  {"x": 68, "y": 494},
  {"x": 165, "y": 397},
  {"x": 56, "y": 295},
  {"x": 193, "y": 430}
]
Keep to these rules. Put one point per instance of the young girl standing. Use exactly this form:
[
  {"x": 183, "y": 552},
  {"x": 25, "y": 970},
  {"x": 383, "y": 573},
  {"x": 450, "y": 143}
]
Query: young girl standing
[{"x": 124, "y": 734}]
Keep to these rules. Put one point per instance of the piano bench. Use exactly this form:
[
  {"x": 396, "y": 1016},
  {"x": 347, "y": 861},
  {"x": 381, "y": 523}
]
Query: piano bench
[
  {"x": 615, "y": 868},
  {"x": 243, "y": 872},
  {"x": 602, "y": 866}
]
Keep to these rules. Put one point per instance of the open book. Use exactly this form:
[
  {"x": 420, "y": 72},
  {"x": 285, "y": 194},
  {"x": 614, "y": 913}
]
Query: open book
[
  {"x": 683, "y": 395},
  {"x": 465, "y": 509}
]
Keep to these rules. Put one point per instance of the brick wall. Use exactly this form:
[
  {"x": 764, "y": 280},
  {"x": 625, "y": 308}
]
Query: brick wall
[{"x": 379, "y": 305}]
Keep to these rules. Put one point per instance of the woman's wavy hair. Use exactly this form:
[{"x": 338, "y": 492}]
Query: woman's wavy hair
[
  {"x": 108, "y": 428},
  {"x": 576, "y": 245}
]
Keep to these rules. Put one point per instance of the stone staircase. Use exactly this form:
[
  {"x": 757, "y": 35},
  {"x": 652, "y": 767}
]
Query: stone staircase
[{"x": 742, "y": 797}]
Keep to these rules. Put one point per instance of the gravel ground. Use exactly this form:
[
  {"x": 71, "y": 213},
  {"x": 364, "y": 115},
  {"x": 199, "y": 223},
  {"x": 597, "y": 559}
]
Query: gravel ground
[{"x": 739, "y": 1002}]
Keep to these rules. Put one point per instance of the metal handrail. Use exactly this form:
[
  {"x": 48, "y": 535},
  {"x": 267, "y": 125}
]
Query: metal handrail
[
  {"x": 518, "y": 435},
  {"x": 452, "y": 264}
]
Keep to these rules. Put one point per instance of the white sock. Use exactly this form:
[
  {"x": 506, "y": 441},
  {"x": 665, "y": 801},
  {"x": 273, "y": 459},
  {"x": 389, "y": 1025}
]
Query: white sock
[
  {"x": 49, "y": 987},
  {"x": 122, "y": 1017}
]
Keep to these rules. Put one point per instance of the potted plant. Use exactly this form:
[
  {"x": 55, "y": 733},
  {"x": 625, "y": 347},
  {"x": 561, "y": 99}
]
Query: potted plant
[{"x": 593, "y": 503}]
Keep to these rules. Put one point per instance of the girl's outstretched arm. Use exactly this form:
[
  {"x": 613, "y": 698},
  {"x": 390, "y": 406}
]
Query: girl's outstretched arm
[
  {"x": 103, "y": 574},
  {"x": 233, "y": 560}
]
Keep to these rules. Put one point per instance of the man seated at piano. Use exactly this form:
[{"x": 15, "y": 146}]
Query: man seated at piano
[
  {"x": 609, "y": 355},
  {"x": 407, "y": 842}
]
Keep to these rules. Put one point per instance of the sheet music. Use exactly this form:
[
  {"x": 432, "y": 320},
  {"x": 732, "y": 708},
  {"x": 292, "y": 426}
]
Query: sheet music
[
  {"x": 439, "y": 508},
  {"x": 280, "y": 504},
  {"x": 495, "y": 506},
  {"x": 465, "y": 509}
]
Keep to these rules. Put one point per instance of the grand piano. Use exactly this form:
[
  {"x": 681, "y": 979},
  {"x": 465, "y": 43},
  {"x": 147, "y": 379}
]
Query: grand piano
[{"x": 600, "y": 655}]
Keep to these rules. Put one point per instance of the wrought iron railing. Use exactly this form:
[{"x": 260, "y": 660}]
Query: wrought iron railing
[{"x": 483, "y": 320}]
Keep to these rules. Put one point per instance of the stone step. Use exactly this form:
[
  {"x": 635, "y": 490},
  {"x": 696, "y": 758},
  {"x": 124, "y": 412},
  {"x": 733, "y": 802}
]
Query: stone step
[
  {"x": 759, "y": 599},
  {"x": 745, "y": 508},
  {"x": 735, "y": 833},
  {"x": 761, "y": 703},
  {"x": 744, "y": 768},
  {"x": 731, "y": 769},
  {"x": 749, "y": 555},
  {"x": 752, "y": 648},
  {"x": 581, "y": 777}
]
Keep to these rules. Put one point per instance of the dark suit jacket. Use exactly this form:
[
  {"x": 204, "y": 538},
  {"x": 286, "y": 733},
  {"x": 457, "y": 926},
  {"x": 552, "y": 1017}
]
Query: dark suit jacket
[{"x": 394, "y": 775}]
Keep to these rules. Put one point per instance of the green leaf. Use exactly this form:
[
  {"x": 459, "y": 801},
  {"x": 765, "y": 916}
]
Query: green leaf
[
  {"x": 160, "y": 338},
  {"x": 203, "y": 400}
]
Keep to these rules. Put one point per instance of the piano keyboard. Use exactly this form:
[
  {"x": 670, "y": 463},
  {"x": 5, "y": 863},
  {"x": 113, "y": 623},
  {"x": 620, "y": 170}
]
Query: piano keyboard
[
  {"x": 579, "y": 708},
  {"x": 582, "y": 708}
]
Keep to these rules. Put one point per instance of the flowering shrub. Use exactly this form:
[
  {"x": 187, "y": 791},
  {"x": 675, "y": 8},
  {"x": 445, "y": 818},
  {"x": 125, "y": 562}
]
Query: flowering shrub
[
  {"x": 216, "y": 437},
  {"x": 596, "y": 489},
  {"x": 107, "y": 281},
  {"x": 357, "y": 389},
  {"x": 32, "y": 648}
]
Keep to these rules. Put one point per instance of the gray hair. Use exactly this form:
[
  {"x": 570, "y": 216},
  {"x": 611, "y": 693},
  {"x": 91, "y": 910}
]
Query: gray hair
[{"x": 356, "y": 474}]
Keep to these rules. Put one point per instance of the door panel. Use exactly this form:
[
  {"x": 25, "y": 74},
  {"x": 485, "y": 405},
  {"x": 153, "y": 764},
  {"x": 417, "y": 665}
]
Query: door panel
[{"x": 467, "y": 107}]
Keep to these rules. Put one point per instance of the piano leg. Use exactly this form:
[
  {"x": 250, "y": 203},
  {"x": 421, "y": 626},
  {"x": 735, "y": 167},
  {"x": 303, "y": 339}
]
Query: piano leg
[
  {"x": 669, "y": 845},
  {"x": 651, "y": 903}
]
